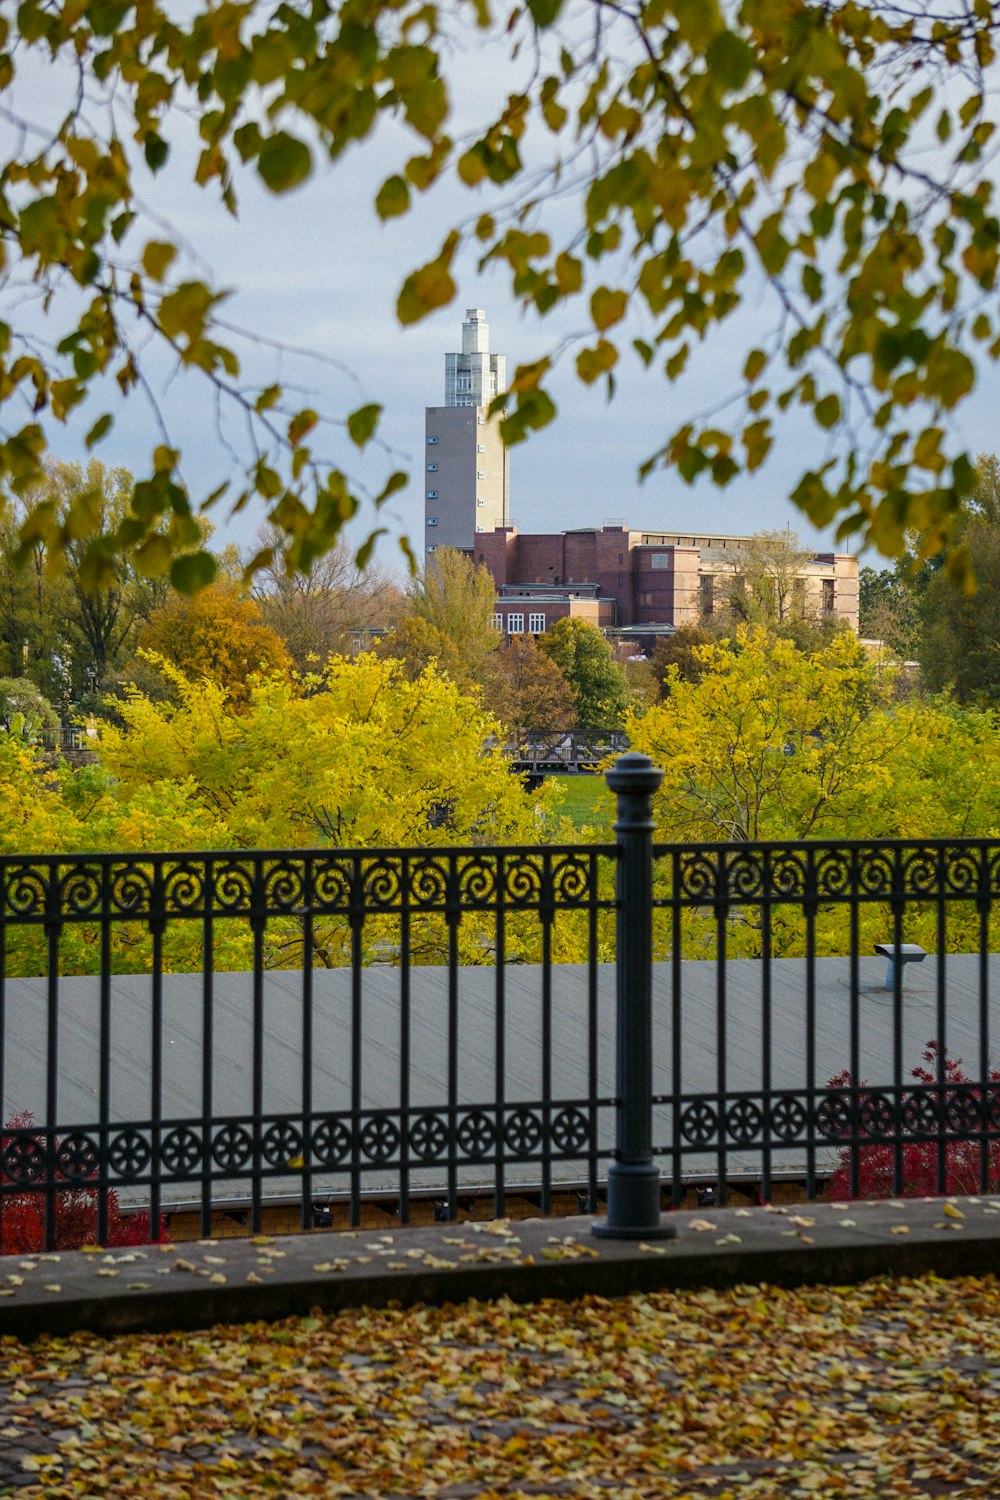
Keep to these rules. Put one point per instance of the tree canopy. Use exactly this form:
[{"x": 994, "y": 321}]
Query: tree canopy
[{"x": 658, "y": 166}]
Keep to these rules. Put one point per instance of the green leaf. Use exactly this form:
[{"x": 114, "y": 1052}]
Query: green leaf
[
  {"x": 100, "y": 428},
  {"x": 827, "y": 411},
  {"x": 361, "y": 424},
  {"x": 156, "y": 150},
  {"x": 157, "y": 258},
  {"x": 284, "y": 162},
  {"x": 730, "y": 59},
  {"x": 430, "y": 287},
  {"x": 396, "y": 481},
  {"x": 393, "y": 198},
  {"x": 193, "y": 572},
  {"x": 607, "y": 307},
  {"x": 363, "y": 555}
]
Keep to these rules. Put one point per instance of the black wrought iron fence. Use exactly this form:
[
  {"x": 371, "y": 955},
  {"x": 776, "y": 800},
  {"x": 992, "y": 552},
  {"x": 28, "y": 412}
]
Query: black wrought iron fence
[{"x": 621, "y": 1017}]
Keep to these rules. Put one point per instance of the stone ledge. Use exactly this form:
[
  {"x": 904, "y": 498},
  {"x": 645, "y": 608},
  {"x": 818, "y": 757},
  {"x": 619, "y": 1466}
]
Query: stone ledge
[{"x": 197, "y": 1284}]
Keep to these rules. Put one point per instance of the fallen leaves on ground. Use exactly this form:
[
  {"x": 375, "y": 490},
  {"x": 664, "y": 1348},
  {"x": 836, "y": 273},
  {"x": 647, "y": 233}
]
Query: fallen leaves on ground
[{"x": 890, "y": 1389}]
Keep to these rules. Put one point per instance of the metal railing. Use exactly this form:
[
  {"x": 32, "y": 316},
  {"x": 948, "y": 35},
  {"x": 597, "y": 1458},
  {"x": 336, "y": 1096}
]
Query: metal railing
[{"x": 623, "y": 1017}]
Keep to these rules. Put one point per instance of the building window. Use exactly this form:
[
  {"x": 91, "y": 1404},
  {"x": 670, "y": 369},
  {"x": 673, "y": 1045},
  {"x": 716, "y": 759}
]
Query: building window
[
  {"x": 480, "y": 448},
  {"x": 536, "y": 624},
  {"x": 515, "y": 624},
  {"x": 481, "y": 421},
  {"x": 432, "y": 520},
  {"x": 432, "y": 468},
  {"x": 497, "y": 619},
  {"x": 432, "y": 439},
  {"x": 480, "y": 474},
  {"x": 480, "y": 502},
  {"x": 660, "y": 560},
  {"x": 829, "y": 601},
  {"x": 706, "y": 585},
  {"x": 432, "y": 494}
]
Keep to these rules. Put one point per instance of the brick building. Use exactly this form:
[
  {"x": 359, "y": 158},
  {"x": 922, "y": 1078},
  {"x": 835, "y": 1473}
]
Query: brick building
[{"x": 637, "y": 583}]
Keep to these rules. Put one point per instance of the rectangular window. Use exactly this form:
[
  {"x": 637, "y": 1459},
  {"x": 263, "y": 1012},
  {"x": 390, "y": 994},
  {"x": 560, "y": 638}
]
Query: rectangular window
[
  {"x": 480, "y": 448},
  {"x": 481, "y": 421},
  {"x": 515, "y": 624},
  {"x": 432, "y": 440},
  {"x": 497, "y": 619},
  {"x": 432, "y": 468},
  {"x": 536, "y": 624},
  {"x": 829, "y": 599},
  {"x": 480, "y": 502},
  {"x": 432, "y": 494},
  {"x": 706, "y": 585},
  {"x": 660, "y": 560},
  {"x": 432, "y": 520},
  {"x": 481, "y": 474}
]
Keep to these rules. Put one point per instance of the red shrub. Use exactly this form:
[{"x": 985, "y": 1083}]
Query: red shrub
[
  {"x": 22, "y": 1215},
  {"x": 919, "y": 1158}
]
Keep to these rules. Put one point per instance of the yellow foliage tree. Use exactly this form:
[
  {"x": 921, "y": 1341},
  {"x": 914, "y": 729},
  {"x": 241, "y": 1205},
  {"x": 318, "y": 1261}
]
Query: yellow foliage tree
[
  {"x": 774, "y": 744},
  {"x": 218, "y": 634}
]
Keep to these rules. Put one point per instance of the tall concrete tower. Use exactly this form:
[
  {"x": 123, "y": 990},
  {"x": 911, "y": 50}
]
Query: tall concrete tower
[{"x": 467, "y": 484}]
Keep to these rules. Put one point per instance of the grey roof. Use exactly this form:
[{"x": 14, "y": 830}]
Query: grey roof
[{"x": 698, "y": 998}]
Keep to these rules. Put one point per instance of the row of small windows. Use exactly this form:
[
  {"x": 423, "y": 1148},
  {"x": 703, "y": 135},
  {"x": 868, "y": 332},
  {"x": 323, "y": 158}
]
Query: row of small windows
[{"x": 515, "y": 623}]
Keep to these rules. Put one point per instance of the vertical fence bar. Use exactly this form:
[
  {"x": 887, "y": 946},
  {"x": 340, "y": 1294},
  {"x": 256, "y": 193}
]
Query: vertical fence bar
[
  {"x": 766, "y": 1030},
  {"x": 721, "y": 1039},
  {"x": 157, "y": 922},
  {"x": 633, "y": 1178},
  {"x": 306, "y": 1086},
  {"x": 984, "y": 1021},
  {"x": 500, "y": 1034},
  {"x": 546, "y": 915},
  {"x": 405, "y": 1039},
  {"x": 207, "y": 1035},
  {"x": 676, "y": 1028},
  {"x": 593, "y": 1033},
  {"x": 897, "y": 1025},
  {"x": 854, "y": 1023},
  {"x": 811, "y": 904},
  {"x": 357, "y": 917},
  {"x": 453, "y": 917},
  {"x": 257, "y": 922},
  {"x": 104, "y": 1055},
  {"x": 941, "y": 1158},
  {"x": 53, "y": 927}
]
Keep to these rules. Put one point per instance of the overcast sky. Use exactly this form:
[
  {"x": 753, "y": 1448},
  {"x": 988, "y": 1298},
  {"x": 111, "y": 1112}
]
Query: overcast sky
[{"x": 315, "y": 269}]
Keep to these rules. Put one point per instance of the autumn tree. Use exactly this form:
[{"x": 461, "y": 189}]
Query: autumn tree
[
  {"x": 314, "y": 611},
  {"x": 219, "y": 635},
  {"x": 367, "y": 760},
  {"x": 831, "y": 164},
  {"x": 416, "y": 644},
  {"x": 764, "y": 581},
  {"x": 681, "y": 651},
  {"x": 457, "y": 597},
  {"x": 960, "y": 644},
  {"x": 775, "y": 743},
  {"x": 891, "y": 606},
  {"x": 528, "y": 690},
  {"x": 585, "y": 659}
]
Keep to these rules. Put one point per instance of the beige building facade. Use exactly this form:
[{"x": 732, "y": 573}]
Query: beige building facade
[{"x": 466, "y": 466}]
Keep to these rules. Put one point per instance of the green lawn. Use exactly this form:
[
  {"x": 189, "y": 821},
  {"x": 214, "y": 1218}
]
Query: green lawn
[{"x": 586, "y": 800}]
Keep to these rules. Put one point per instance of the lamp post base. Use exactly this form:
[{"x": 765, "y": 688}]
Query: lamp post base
[{"x": 633, "y": 1205}]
